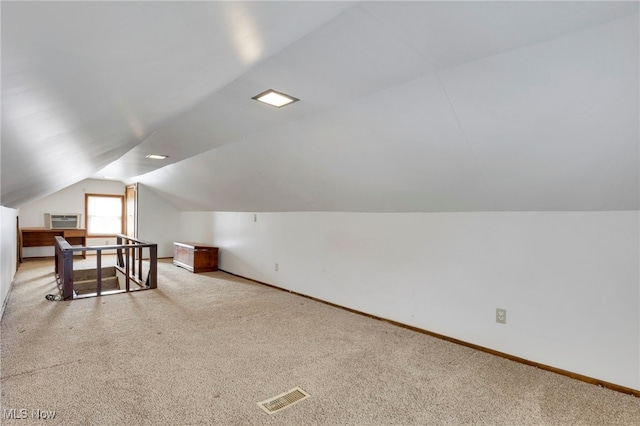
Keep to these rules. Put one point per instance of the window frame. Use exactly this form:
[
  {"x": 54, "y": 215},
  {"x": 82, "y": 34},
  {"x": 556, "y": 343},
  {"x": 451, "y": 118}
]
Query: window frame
[{"x": 86, "y": 213}]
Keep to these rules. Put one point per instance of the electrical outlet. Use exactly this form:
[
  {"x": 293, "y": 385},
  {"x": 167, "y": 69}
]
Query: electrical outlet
[
  {"x": 276, "y": 267},
  {"x": 501, "y": 316}
]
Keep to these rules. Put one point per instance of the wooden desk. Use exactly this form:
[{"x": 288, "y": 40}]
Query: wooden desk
[
  {"x": 44, "y": 237},
  {"x": 195, "y": 257}
]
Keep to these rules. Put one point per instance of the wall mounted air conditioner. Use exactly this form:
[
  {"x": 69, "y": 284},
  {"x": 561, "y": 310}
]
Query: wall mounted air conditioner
[{"x": 62, "y": 221}]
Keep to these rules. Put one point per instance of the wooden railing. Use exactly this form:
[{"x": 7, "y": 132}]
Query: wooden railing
[{"x": 129, "y": 252}]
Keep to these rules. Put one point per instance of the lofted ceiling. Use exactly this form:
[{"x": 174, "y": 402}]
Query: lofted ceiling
[{"x": 404, "y": 106}]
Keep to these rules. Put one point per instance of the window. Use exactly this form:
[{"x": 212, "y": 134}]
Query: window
[{"x": 104, "y": 213}]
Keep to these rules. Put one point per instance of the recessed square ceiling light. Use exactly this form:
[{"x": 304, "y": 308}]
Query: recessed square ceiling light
[
  {"x": 156, "y": 156},
  {"x": 274, "y": 98}
]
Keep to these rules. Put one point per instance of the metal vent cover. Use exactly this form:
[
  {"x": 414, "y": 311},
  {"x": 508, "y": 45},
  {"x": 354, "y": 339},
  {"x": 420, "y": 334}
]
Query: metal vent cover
[{"x": 284, "y": 400}]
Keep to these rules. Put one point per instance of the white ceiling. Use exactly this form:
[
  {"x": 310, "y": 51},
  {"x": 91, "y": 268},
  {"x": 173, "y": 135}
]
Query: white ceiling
[{"x": 405, "y": 106}]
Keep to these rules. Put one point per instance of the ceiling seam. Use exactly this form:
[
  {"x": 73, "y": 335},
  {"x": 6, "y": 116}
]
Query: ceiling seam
[
  {"x": 474, "y": 154},
  {"x": 436, "y": 71}
]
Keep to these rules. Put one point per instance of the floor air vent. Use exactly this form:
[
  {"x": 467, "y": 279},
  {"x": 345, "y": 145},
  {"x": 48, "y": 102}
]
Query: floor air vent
[{"x": 284, "y": 400}]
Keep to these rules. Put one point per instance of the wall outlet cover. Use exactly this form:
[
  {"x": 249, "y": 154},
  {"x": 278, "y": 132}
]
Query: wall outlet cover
[{"x": 501, "y": 315}]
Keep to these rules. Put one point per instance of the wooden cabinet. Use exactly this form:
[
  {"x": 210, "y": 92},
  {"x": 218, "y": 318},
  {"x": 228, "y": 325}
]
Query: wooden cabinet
[
  {"x": 43, "y": 237},
  {"x": 195, "y": 257}
]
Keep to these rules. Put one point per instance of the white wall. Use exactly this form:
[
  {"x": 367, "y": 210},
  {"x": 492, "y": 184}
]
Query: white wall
[
  {"x": 158, "y": 221},
  {"x": 8, "y": 256},
  {"x": 68, "y": 200},
  {"x": 196, "y": 227},
  {"x": 569, "y": 280}
]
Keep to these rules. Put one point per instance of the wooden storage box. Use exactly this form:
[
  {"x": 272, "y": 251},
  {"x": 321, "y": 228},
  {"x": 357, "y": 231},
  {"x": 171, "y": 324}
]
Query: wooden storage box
[{"x": 195, "y": 257}]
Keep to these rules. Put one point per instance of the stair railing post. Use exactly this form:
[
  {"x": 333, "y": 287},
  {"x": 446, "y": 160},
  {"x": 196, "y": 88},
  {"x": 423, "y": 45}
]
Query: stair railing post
[
  {"x": 153, "y": 266},
  {"x": 120, "y": 261},
  {"x": 133, "y": 259},
  {"x": 140, "y": 263},
  {"x": 99, "y": 272},
  {"x": 67, "y": 275},
  {"x": 126, "y": 269},
  {"x": 56, "y": 257}
]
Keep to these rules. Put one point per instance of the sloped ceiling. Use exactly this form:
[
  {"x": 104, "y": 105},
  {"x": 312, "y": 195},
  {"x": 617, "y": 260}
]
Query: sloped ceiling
[{"x": 405, "y": 106}]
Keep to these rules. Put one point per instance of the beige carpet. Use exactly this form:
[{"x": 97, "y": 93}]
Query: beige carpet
[{"x": 205, "y": 348}]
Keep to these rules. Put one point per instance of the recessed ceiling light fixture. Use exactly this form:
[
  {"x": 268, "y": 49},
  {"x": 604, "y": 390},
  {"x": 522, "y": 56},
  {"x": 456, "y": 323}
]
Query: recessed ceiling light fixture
[
  {"x": 157, "y": 156},
  {"x": 275, "y": 99}
]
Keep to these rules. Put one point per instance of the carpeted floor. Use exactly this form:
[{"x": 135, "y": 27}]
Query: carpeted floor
[{"x": 205, "y": 348}]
